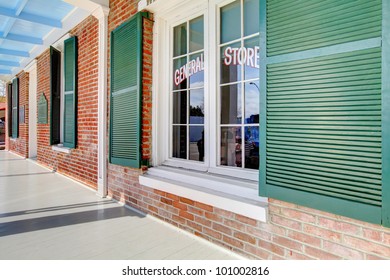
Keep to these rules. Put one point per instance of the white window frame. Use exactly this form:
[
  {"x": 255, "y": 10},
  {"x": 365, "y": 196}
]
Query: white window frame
[
  {"x": 188, "y": 178},
  {"x": 177, "y": 162},
  {"x": 162, "y": 85},
  {"x": 216, "y": 168}
]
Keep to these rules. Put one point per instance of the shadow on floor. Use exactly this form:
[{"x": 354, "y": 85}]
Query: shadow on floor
[
  {"x": 41, "y": 223},
  {"x": 27, "y": 174},
  {"x": 56, "y": 208}
]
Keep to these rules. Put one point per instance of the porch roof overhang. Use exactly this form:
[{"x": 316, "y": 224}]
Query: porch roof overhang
[{"x": 28, "y": 27}]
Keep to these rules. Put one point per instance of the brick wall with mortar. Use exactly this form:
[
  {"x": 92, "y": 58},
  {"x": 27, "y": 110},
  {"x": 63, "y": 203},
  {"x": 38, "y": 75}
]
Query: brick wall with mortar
[
  {"x": 81, "y": 163},
  {"x": 292, "y": 232},
  {"x": 20, "y": 144}
]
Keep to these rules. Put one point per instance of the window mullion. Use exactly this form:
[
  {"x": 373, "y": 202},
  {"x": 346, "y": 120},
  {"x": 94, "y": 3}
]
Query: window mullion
[
  {"x": 242, "y": 92},
  {"x": 188, "y": 94}
]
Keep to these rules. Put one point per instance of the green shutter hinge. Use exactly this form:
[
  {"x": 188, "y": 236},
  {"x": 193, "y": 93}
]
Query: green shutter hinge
[
  {"x": 145, "y": 14},
  {"x": 145, "y": 162}
]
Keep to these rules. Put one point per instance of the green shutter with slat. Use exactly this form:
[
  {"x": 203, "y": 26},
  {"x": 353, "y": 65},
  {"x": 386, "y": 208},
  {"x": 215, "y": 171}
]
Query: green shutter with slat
[
  {"x": 125, "y": 117},
  {"x": 298, "y": 25},
  {"x": 55, "y": 96},
  {"x": 322, "y": 116},
  {"x": 386, "y": 114},
  {"x": 15, "y": 108},
  {"x": 70, "y": 96}
]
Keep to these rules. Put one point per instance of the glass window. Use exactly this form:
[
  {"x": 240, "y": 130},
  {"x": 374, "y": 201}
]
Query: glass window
[
  {"x": 180, "y": 40},
  {"x": 231, "y": 104},
  {"x": 230, "y": 68},
  {"x": 196, "y": 34},
  {"x": 187, "y": 97},
  {"x": 233, "y": 88},
  {"x": 239, "y": 85},
  {"x": 231, "y": 22},
  {"x": 251, "y": 18}
]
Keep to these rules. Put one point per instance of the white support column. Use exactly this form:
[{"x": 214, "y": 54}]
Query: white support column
[
  {"x": 100, "y": 10},
  {"x": 102, "y": 15},
  {"x": 32, "y": 104}
]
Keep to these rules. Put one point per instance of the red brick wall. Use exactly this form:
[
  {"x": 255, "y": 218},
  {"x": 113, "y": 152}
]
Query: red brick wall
[
  {"x": 147, "y": 89},
  {"x": 20, "y": 145},
  {"x": 81, "y": 163},
  {"x": 292, "y": 232}
]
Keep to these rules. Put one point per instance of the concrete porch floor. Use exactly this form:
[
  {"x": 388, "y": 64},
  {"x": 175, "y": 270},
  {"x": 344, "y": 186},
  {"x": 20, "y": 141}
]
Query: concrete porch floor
[{"x": 44, "y": 215}]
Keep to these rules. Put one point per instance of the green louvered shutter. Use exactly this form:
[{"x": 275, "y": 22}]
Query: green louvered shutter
[
  {"x": 15, "y": 108},
  {"x": 9, "y": 113},
  {"x": 323, "y": 114},
  {"x": 55, "y": 96},
  {"x": 70, "y": 96},
  {"x": 299, "y": 25},
  {"x": 126, "y": 63}
]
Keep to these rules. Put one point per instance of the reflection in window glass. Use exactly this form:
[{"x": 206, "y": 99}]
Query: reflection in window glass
[
  {"x": 251, "y": 149},
  {"x": 251, "y": 17},
  {"x": 180, "y": 40},
  {"x": 197, "y": 143},
  {"x": 239, "y": 50},
  {"x": 231, "y": 22},
  {"x": 179, "y": 78},
  {"x": 196, "y": 34},
  {"x": 180, "y": 107},
  {"x": 231, "y": 146},
  {"x": 188, "y": 91},
  {"x": 196, "y": 106},
  {"x": 252, "y": 67},
  {"x": 252, "y": 102},
  {"x": 179, "y": 142},
  {"x": 231, "y": 104},
  {"x": 230, "y": 69},
  {"x": 197, "y": 70}
]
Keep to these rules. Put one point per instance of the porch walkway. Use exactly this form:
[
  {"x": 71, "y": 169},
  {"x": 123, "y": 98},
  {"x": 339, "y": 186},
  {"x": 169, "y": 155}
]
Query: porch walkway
[{"x": 44, "y": 215}]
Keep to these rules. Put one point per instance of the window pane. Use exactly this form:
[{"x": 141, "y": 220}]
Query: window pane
[
  {"x": 180, "y": 39},
  {"x": 230, "y": 68},
  {"x": 252, "y": 147},
  {"x": 197, "y": 106},
  {"x": 196, "y": 34},
  {"x": 197, "y": 143},
  {"x": 196, "y": 70},
  {"x": 252, "y": 54},
  {"x": 231, "y": 146},
  {"x": 251, "y": 17},
  {"x": 179, "y": 142},
  {"x": 231, "y": 22},
  {"x": 179, "y": 73},
  {"x": 179, "y": 107},
  {"x": 231, "y": 112},
  {"x": 252, "y": 102}
]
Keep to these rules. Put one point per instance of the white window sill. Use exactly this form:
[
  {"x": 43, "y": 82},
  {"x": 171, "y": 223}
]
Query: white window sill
[
  {"x": 230, "y": 194},
  {"x": 60, "y": 148}
]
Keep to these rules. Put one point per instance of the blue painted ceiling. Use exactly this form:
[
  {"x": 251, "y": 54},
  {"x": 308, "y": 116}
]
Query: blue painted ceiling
[{"x": 24, "y": 24}]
